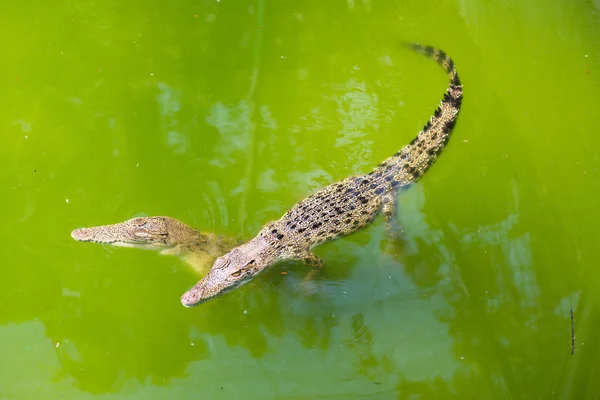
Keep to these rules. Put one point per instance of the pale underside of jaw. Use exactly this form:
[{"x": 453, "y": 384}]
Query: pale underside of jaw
[
  {"x": 118, "y": 243},
  {"x": 146, "y": 246},
  {"x": 102, "y": 235}
]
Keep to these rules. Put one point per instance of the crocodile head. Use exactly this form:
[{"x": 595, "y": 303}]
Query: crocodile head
[
  {"x": 143, "y": 232},
  {"x": 232, "y": 270}
]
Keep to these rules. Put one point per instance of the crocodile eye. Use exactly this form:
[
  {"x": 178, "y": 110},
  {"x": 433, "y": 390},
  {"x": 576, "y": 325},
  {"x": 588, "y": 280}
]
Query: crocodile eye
[
  {"x": 237, "y": 273},
  {"x": 250, "y": 263},
  {"x": 221, "y": 262}
]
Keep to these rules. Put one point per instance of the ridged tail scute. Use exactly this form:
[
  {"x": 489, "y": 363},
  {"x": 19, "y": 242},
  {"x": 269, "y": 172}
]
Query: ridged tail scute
[{"x": 409, "y": 164}]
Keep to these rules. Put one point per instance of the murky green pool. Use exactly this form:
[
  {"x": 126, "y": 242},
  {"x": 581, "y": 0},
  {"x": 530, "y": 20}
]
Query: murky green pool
[{"x": 225, "y": 113}]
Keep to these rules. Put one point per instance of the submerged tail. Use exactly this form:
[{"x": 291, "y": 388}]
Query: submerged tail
[
  {"x": 441, "y": 58},
  {"x": 409, "y": 164}
]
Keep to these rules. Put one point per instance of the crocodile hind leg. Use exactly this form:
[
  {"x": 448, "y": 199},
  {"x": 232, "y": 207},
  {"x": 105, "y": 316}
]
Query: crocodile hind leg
[{"x": 390, "y": 213}]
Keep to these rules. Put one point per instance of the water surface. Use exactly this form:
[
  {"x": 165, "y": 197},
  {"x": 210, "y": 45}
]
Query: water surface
[{"x": 224, "y": 114}]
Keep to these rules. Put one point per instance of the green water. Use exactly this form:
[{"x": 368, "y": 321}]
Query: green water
[{"x": 224, "y": 114}]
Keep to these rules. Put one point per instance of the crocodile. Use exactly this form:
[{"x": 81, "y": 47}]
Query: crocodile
[
  {"x": 341, "y": 208},
  {"x": 169, "y": 235}
]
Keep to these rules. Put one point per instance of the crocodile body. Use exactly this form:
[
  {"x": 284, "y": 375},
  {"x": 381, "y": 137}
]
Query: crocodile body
[
  {"x": 340, "y": 208},
  {"x": 169, "y": 235}
]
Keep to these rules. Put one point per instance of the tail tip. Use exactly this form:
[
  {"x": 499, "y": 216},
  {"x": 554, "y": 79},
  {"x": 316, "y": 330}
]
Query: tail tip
[{"x": 419, "y": 48}]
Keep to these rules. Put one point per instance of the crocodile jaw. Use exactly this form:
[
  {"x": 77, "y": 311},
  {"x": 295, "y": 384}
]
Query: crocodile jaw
[
  {"x": 142, "y": 232},
  {"x": 102, "y": 236},
  {"x": 204, "y": 291},
  {"x": 94, "y": 235},
  {"x": 233, "y": 270}
]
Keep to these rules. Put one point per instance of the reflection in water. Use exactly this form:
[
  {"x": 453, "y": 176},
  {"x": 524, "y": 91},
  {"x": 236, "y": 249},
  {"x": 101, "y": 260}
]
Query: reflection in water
[
  {"x": 170, "y": 105},
  {"x": 472, "y": 310},
  {"x": 267, "y": 120},
  {"x": 516, "y": 257},
  {"x": 103, "y": 348},
  {"x": 309, "y": 180},
  {"x": 500, "y": 312},
  {"x": 25, "y": 126},
  {"x": 214, "y": 205},
  {"x": 95, "y": 346},
  {"x": 365, "y": 3},
  {"x": 358, "y": 111},
  {"x": 233, "y": 124},
  {"x": 361, "y": 342}
]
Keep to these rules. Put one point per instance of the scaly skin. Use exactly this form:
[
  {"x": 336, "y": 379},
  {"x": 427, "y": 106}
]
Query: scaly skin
[
  {"x": 338, "y": 209},
  {"x": 166, "y": 234}
]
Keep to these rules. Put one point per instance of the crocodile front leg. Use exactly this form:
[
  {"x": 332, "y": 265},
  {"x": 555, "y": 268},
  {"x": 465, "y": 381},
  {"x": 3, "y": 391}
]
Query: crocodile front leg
[{"x": 310, "y": 259}]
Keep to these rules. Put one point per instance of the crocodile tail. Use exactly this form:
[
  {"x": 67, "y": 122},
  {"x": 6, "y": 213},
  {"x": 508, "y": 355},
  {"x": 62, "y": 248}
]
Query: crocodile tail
[
  {"x": 441, "y": 58},
  {"x": 409, "y": 164}
]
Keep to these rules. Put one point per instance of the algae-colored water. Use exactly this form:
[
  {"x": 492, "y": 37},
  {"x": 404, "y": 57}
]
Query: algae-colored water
[{"x": 224, "y": 114}]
